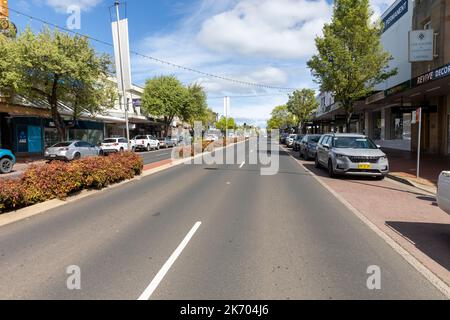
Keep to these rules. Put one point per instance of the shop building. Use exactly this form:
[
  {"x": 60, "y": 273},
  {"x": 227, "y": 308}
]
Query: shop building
[{"x": 390, "y": 116}]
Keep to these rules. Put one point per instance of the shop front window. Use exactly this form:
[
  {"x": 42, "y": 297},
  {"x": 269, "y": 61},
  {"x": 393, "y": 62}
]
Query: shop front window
[
  {"x": 51, "y": 137},
  {"x": 401, "y": 126}
]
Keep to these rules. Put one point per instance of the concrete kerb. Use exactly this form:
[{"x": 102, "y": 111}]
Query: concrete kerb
[
  {"x": 442, "y": 286},
  {"x": 41, "y": 208}
]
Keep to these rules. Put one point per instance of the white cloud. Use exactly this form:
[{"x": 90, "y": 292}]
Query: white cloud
[
  {"x": 279, "y": 29},
  {"x": 379, "y": 6},
  {"x": 62, "y": 5}
]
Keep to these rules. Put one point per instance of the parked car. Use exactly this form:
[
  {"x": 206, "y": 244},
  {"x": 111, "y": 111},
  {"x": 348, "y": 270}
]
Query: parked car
[
  {"x": 351, "y": 154},
  {"x": 145, "y": 142},
  {"x": 290, "y": 140},
  {"x": 72, "y": 150},
  {"x": 171, "y": 141},
  {"x": 296, "y": 144},
  {"x": 308, "y": 146},
  {"x": 211, "y": 137},
  {"x": 7, "y": 161},
  {"x": 443, "y": 194},
  {"x": 113, "y": 145},
  {"x": 283, "y": 137}
]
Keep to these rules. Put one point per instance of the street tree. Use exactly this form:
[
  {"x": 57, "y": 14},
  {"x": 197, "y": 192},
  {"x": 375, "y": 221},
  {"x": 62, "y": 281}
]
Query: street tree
[
  {"x": 223, "y": 124},
  {"x": 301, "y": 104},
  {"x": 57, "y": 68},
  {"x": 165, "y": 96},
  {"x": 196, "y": 107},
  {"x": 350, "y": 59},
  {"x": 281, "y": 118}
]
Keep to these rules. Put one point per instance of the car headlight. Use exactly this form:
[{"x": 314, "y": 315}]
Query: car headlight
[{"x": 339, "y": 156}]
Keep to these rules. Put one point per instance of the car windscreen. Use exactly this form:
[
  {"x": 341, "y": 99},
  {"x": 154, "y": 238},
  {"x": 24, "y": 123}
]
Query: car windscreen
[
  {"x": 109, "y": 141},
  {"x": 62, "y": 144},
  {"x": 314, "y": 139},
  {"x": 141, "y": 137},
  {"x": 353, "y": 143}
]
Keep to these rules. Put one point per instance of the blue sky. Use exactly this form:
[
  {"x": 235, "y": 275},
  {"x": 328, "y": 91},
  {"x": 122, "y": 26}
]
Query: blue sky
[{"x": 264, "y": 41}]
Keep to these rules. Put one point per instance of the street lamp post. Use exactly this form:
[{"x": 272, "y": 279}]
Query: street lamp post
[{"x": 122, "y": 94}]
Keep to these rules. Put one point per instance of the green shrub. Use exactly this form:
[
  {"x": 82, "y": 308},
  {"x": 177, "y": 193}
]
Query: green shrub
[{"x": 57, "y": 180}]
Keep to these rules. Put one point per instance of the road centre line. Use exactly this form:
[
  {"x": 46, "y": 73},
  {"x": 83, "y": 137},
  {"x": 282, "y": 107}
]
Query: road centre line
[{"x": 166, "y": 267}]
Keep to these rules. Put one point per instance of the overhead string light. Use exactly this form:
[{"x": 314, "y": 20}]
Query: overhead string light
[{"x": 161, "y": 61}]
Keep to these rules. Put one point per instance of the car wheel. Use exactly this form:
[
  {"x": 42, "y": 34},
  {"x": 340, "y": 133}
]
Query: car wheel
[
  {"x": 77, "y": 156},
  {"x": 6, "y": 165},
  {"x": 121, "y": 150},
  {"x": 101, "y": 153},
  {"x": 380, "y": 177},
  {"x": 158, "y": 147},
  {"x": 317, "y": 163},
  {"x": 331, "y": 169},
  {"x": 149, "y": 148}
]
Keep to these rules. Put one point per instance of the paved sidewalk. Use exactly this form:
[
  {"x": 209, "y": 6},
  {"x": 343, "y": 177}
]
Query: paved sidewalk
[
  {"x": 408, "y": 215},
  {"x": 404, "y": 163},
  {"x": 20, "y": 168}
]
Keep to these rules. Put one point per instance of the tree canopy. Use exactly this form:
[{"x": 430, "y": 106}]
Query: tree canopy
[
  {"x": 57, "y": 68},
  {"x": 350, "y": 58},
  {"x": 223, "y": 124},
  {"x": 301, "y": 104},
  {"x": 281, "y": 118}
]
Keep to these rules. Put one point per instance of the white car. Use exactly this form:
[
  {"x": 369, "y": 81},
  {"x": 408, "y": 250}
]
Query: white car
[
  {"x": 113, "y": 145},
  {"x": 147, "y": 143},
  {"x": 443, "y": 195},
  {"x": 211, "y": 138}
]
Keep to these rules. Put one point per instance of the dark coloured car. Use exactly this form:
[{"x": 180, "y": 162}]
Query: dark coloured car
[
  {"x": 283, "y": 137},
  {"x": 296, "y": 144},
  {"x": 308, "y": 146}
]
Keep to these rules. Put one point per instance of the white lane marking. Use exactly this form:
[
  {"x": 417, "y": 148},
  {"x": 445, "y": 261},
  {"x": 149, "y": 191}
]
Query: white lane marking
[
  {"x": 242, "y": 164},
  {"x": 165, "y": 268},
  {"x": 443, "y": 287}
]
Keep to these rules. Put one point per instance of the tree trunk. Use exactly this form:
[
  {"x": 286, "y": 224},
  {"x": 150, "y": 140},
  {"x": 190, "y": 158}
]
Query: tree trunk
[
  {"x": 348, "y": 121},
  {"x": 56, "y": 116}
]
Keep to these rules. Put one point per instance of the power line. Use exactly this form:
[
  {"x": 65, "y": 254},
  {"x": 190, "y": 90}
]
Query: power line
[{"x": 161, "y": 61}]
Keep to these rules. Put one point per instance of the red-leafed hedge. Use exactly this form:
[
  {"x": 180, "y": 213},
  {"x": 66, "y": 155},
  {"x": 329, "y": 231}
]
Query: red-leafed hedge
[{"x": 57, "y": 180}]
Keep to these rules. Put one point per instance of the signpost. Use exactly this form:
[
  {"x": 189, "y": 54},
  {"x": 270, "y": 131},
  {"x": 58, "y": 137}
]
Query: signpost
[{"x": 419, "y": 136}]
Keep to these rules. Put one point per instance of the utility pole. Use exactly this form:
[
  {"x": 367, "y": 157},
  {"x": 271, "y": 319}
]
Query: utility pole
[{"x": 122, "y": 95}]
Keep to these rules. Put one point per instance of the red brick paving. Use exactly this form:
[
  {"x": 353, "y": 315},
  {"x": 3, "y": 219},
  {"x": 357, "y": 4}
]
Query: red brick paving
[{"x": 409, "y": 216}]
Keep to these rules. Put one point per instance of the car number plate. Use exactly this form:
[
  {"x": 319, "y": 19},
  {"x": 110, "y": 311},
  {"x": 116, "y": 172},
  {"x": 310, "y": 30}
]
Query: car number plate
[{"x": 365, "y": 166}]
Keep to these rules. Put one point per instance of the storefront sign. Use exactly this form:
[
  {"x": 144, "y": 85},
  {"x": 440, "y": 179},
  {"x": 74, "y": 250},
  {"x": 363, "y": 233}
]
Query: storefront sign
[
  {"x": 421, "y": 44},
  {"x": 137, "y": 102},
  {"x": 375, "y": 97},
  {"x": 396, "y": 13},
  {"x": 398, "y": 88},
  {"x": 439, "y": 73}
]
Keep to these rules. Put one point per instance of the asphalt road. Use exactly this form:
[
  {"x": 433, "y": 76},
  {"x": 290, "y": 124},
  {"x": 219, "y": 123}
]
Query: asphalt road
[
  {"x": 261, "y": 237},
  {"x": 156, "y": 156}
]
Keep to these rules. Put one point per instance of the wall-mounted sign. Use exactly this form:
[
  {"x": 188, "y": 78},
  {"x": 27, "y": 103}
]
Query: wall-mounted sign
[
  {"x": 396, "y": 13},
  {"x": 375, "y": 97},
  {"x": 439, "y": 73},
  {"x": 4, "y": 12},
  {"x": 421, "y": 44},
  {"x": 137, "y": 102},
  {"x": 398, "y": 88}
]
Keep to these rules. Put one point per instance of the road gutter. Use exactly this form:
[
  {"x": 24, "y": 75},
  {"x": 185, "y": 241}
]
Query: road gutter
[{"x": 442, "y": 286}]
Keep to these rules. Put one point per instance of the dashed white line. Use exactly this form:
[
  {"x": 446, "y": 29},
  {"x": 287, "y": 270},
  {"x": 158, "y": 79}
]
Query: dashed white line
[{"x": 165, "y": 268}]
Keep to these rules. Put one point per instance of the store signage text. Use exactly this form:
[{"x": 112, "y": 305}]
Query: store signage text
[
  {"x": 432, "y": 75},
  {"x": 399, "y": 11}
]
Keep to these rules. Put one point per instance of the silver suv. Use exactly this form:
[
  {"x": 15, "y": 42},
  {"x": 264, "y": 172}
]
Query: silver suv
[{"x": 351, "y": 154}]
